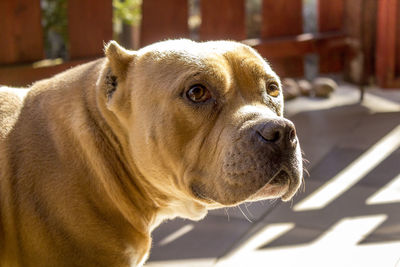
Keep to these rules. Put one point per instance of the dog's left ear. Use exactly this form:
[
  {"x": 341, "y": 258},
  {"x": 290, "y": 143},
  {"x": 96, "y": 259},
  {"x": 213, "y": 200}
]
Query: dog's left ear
[
  {"x": 116, "y": 93},
  {"x": 119, "y": 59}
]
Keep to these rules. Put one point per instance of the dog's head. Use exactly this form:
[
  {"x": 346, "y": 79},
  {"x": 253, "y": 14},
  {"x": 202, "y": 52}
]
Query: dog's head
[{"x": 204, "y": 121}]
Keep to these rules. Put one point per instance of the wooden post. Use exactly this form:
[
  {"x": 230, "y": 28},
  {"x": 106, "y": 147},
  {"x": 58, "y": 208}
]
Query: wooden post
[
  {"x": 89, "y": 27},
  {"x": 330, "y": 18},
  {"x": 386, "y": 42},
  {"x": 360, "y": 25},
  {"x": 21, "y": 31},
  {"x": 163, "y": 19},
  {"x": 222, "y": 19},
  {"x": 397, "y": 66},
  {"x": 283, "y": 18}
]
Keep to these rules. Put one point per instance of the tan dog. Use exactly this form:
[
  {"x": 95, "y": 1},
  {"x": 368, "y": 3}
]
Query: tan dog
[{"x": 97, "y": 156}]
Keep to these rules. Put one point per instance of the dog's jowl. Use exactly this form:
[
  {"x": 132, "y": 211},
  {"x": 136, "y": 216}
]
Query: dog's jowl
[{"x": 94, "y": 158}]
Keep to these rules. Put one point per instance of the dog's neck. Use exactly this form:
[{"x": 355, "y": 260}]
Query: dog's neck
[{"x": 125, "y": 185}]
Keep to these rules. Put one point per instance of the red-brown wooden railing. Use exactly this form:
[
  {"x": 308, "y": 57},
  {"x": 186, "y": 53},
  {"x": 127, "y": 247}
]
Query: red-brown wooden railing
[
  {"x": 21, "y": 32},
  {"x": 388, "y": 43},
  {"x": 21, "y": 41},
  {"x": 284, "y": 18},
  {"x": 281, "y": 41},
  {"x": 164, "y": 19},
  {"x": 330, "y": 18},
  {"x": 222, "y": 19}
]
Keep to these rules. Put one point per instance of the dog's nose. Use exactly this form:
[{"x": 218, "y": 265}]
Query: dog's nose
[{"x": 280, "y": 132}]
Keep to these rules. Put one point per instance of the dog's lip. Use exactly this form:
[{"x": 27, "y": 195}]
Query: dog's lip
[
  {"x": 279, "y": 186},
  {"x": 198, "y": 195},
  {"x": 294, "y": 181}
]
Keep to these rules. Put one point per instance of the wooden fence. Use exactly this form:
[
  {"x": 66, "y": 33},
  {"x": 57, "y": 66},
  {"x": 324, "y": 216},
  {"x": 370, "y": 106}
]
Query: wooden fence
[
  {"x": 22, "y": 42},
  {"x": 363, "y": 30}
]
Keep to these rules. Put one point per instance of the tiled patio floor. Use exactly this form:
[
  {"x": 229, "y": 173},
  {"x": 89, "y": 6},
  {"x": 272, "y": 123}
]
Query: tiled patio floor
[{"x": 348, "y": 214}]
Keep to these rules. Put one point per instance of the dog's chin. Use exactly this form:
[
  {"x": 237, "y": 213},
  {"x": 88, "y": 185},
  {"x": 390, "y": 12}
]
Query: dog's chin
[{"x": 283, "y": 185}]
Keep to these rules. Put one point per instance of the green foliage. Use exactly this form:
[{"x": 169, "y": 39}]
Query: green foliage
[
  {"x": 54, "y": 17},
  {"x": 54, "y": 21},
  {"x": 127, "y": 11}
]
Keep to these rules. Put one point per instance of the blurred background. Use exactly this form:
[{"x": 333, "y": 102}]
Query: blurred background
[
  {"x": 301, "y": 38},
  {"x": 339, "y": 61}
]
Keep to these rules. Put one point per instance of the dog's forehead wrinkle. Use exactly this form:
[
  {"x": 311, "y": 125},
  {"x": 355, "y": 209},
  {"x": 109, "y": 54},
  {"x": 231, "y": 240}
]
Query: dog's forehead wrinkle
[
  {"x": 194, "y": 67},
  {"x": 250, "y": 75},
  {"x": 214, "y": 59}
]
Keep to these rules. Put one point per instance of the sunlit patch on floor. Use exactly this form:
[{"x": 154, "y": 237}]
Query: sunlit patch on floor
[
  {"x": 352, "y": 174},
  {"x": 390, "y": 193}
]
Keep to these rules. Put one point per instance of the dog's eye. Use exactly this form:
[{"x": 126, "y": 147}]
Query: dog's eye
[
  {"x": 198, "y": 93},
  {"x": 273, "y": 89}
]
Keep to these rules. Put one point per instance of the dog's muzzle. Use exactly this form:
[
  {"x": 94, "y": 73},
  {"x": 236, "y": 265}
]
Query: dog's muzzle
[{"x": 278, "y": 137}]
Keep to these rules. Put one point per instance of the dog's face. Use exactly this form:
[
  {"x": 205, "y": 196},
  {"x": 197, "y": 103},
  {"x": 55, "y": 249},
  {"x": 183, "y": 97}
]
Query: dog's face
[{"x": 205, "y": 123}]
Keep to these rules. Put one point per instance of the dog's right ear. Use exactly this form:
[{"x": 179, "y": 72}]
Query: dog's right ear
[{"x": 119, "y": 58}]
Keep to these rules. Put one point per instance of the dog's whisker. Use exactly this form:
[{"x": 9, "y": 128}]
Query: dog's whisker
[
  {"x": 247, "y": 218},
  {"x": 227, "y": 213},
  {"x": 307, "y": 172},
  {"x": 245, "y": 205},
  {"x": 273, "y": 202},
  {"x": 291, "y": 203},
  {"x": 303, "y": 184}
]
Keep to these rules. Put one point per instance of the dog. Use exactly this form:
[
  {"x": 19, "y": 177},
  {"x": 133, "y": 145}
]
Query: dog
[{"x": 96, "y": 157}]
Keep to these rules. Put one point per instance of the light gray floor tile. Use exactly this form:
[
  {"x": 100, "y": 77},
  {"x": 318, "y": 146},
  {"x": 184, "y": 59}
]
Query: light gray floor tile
[{"x": 209, "y": 238}]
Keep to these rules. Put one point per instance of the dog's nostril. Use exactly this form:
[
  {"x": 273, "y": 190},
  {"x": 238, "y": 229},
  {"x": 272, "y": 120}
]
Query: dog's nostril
[
  {"x": 272, "y": 136},
  {"x": 275, "y": 136},
  {"x": 292, "y": 135}
]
